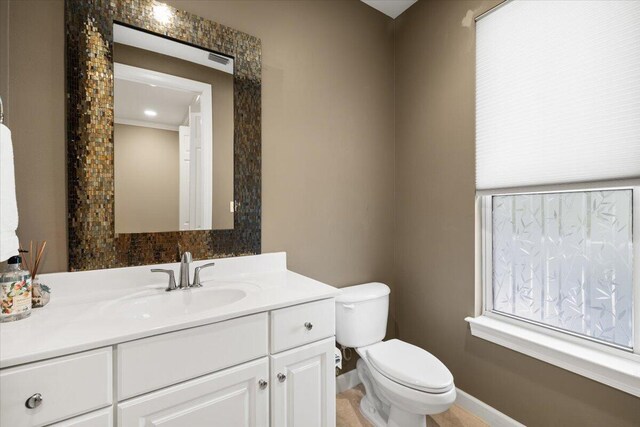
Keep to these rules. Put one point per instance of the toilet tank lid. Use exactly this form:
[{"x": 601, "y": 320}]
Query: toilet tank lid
[{"x": 364, "y": 292}]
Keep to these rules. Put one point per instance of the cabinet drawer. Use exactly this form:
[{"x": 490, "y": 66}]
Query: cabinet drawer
[
  {"x": 302, "y": 324},
  {"x": 101, "y": 418},
  {"x": 232, "y": 397},
  {"x": 69, "y": 386},
  {"x": 152, "y": 363}
]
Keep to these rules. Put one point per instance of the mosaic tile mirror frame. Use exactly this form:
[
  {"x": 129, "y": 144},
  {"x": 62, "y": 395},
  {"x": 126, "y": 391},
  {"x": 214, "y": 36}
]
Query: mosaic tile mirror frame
[{"x": 93, "y": 243}]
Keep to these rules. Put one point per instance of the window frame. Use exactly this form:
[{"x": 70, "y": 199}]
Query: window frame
[{"x": 608, "y": 363}]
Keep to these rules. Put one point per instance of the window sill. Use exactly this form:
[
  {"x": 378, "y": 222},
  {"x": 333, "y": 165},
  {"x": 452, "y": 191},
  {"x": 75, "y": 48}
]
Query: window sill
[{"x": 615, "y": 368}]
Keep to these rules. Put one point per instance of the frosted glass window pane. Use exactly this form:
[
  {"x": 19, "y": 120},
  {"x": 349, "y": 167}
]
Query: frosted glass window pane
[{"x": 565, "y": 260}]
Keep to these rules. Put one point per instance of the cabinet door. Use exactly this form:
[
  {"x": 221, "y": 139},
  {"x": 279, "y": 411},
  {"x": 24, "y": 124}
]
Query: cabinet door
[
  {"x": 233, "y": 397},
  {"x": 303, "y": 388}
]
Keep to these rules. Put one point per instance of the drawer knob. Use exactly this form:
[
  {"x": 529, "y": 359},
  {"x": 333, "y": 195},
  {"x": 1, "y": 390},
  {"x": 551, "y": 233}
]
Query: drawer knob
[
  {"x": 263, "y": 384},
  {"x": 308, "y": 325},
  {"x": 282, "y": 377},
  {"x": 34, "y": 401}
]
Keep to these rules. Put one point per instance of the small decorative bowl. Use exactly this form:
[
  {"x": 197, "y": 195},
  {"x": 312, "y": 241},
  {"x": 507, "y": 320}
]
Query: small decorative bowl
[{"x": 40, "y": 294}]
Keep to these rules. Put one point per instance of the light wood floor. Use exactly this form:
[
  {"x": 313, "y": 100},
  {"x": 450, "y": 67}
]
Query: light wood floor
[{"x": 348, "y": 413}]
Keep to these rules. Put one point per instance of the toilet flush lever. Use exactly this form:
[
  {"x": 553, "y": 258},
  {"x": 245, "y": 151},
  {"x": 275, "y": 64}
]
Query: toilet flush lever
[{"x": 349, "y": 306}]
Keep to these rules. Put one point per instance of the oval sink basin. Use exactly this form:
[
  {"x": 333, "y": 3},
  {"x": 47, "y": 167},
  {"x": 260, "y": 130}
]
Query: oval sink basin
[{"x": 170, "y": 304}]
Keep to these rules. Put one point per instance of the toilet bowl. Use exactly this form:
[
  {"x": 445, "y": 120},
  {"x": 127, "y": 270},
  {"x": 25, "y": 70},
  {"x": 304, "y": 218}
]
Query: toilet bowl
[{"x": 403, "y": 383}]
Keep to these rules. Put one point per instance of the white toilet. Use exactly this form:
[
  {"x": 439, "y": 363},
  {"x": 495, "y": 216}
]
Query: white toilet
[{"x": 403, "y": 383}]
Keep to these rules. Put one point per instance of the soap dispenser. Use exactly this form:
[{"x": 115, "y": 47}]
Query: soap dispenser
[{"x": 16, "y": 291}]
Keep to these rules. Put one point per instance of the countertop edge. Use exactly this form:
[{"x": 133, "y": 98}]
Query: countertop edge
[{"x": 91, "y": 345}]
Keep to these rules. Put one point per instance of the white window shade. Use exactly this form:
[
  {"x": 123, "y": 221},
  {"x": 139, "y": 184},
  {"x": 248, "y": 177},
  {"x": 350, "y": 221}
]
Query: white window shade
[{"x": 558, "y": 93}]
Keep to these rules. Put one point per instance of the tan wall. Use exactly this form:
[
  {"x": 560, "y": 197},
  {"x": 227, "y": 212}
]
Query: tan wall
[
  {"x": 147, "y": 179},
  {"x": 328, "y": 173},
  {"x": 435, "y": 231},
  {"x": 35, "y": 107},
  {"x": 4, "y": 51},
  {"x": 222, "y": 112},
  {"x": 327, "y": 126}
]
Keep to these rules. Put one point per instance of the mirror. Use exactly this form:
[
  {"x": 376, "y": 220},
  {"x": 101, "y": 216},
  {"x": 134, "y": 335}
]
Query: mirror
[
  {"x": 127, "y": 56},
  {"x": 173, "y": 135}
]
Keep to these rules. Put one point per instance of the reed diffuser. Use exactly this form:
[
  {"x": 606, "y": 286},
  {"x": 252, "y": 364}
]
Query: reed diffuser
[{"x": 40, "y": 292}]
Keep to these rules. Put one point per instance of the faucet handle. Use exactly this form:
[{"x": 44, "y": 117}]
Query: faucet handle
[
  {"x": 172, "y": 278},
  {"x": 196, "y": 274}
]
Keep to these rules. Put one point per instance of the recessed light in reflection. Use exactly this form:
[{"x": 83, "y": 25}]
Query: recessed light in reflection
[
  {"x": 162, "y": 13},
  {"x": 150, "y": 113}
]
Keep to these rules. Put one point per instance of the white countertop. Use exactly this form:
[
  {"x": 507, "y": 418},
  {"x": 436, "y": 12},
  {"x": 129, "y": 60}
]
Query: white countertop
[{"x": 81, "y": 314}]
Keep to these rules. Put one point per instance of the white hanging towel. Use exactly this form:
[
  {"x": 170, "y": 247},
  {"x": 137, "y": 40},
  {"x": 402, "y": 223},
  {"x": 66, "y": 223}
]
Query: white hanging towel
[{"x": 8, "y": 207}]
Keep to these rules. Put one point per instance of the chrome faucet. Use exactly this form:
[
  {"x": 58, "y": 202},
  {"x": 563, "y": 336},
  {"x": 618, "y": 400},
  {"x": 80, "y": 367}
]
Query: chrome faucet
[{"x": 185, "y": 260}]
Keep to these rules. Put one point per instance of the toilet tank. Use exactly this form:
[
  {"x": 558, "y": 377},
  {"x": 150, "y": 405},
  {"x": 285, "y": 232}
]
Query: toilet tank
[{"x": 361, "y": 314}]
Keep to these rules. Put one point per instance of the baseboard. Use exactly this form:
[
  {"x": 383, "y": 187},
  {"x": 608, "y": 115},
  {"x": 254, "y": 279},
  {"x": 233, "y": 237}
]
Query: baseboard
[
  {"x": 347, "y": 380},
  {"x": 487, "y": 413}
]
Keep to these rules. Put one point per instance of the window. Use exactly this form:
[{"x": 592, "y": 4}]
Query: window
[
  {"x": 558, "y": 278},
  {"x": 564, "y": 260},
  {"x": 558, "y": 185}
]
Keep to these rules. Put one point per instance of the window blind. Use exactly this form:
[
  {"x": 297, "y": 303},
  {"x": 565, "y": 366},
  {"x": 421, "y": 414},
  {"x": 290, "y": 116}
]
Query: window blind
[{"x": 557, "y": 93}]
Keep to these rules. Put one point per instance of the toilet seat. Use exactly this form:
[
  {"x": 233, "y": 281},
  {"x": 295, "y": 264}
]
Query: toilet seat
[{"x": 410, "y": 366}]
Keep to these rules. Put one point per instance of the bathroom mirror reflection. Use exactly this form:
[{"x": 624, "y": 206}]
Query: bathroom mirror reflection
[{"x": 173, "y": 135}]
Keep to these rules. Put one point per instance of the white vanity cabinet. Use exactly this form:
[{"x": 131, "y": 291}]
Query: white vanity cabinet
[
  {"x": 272, "y": 368},
  {"x": 302, "y": 365}
]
